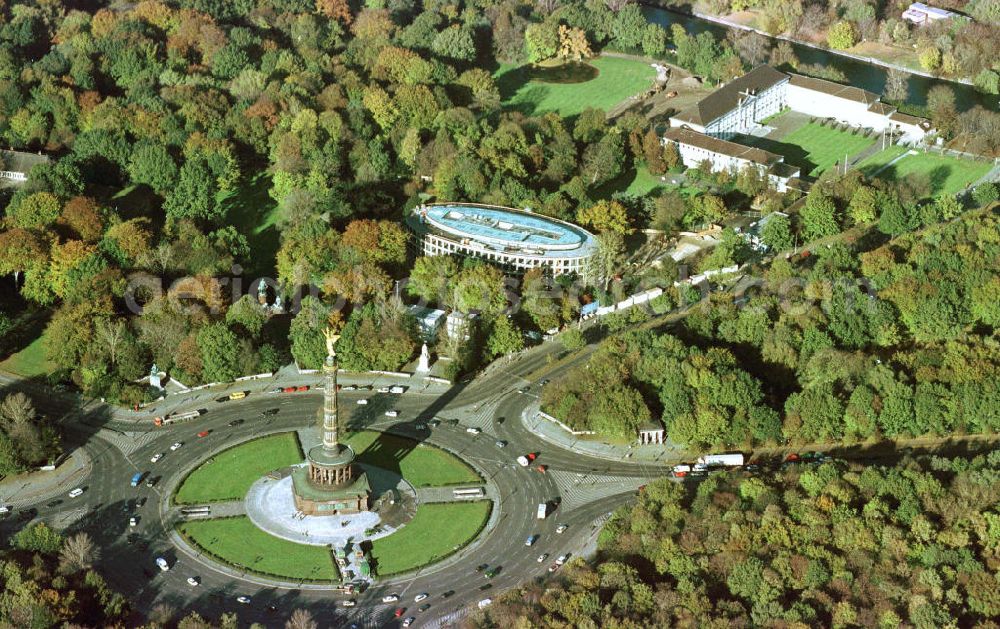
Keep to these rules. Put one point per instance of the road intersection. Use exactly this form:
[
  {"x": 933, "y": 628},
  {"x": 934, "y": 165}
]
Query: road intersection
[{"x": 585, "y": 489}]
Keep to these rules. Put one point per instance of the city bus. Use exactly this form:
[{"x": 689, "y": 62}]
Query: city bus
[{"x": 196, "y": 512}]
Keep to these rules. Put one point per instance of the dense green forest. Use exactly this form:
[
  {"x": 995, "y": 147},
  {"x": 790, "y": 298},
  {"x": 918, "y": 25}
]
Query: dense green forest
[
  {"x": 865, "y": 336},
  {"x": 829, "y": 545}
]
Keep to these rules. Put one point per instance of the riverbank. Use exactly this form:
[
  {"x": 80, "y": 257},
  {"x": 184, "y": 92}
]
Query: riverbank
[{"x": 728, "y": 23}]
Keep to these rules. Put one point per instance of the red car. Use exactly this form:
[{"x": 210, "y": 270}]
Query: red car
[
  {"x": 542, "y": 468},
  {"x": 203, "y": 433},
  {"x": 304, "y": 387},
  {"x": 400, "y": 611},
  {"x": 288, "y": 390}
]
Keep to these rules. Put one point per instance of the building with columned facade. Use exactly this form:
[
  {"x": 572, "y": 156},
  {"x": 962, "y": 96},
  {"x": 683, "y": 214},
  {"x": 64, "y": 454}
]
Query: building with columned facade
[{"x": 514, "y": 240}]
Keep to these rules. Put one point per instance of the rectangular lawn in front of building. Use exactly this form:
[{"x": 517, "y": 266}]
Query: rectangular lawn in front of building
[
  {"x": 238, "y": 542},
  {"x": 825, "y": 146},
  {"x": 436, "y": 531},
  {"x": 229, "y": 474},
  {"x": 422, "y": 465},
  {"x": 617, "y": 79}
]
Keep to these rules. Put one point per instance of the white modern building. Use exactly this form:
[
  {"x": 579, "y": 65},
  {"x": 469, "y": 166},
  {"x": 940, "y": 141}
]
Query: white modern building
[
  {"x": 697, "y": 148},
  {"x": 15, "y": 165},
  {"x": 920, "y": 13},
  {"x": 515, "y": 240},
  {"x": 738, "y": 106}
]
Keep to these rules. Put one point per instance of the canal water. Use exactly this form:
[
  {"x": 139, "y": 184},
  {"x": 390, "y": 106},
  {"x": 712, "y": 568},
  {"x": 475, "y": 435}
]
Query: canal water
[{"x": 860, "y": 74}]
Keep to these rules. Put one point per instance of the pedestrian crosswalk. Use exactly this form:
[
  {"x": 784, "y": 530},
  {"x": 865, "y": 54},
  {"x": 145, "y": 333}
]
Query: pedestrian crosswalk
[
  {"x": 578, "y": 490},
  {"x": 127, "y": 442}
]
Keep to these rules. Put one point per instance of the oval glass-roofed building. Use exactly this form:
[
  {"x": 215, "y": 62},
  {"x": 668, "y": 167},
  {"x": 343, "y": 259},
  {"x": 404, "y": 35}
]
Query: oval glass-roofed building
[{"x": 514, "y": 240}]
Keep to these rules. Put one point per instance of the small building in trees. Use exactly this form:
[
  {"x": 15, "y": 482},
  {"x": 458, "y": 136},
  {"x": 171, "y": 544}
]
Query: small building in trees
[
  {"x": 921, "y": 14},
  {"x": 15, "y": 166},
  {"x": 652, "y": 433},
  {"x": 429, "y": 321}
]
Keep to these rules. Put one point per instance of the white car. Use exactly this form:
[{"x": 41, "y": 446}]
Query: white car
[
  {"x": 472, "y": 430},
  {"x": 485, "y": 603},
  {"x": 176, "y": 445},
  {"x": 543, "y": 557},
  {"x": 243, "y": 599},
  {"x": 194, "y": 581},
  {"x": 561, "y": 528},
  {"x": 349, "y": 603},
  {"x": 501, "y": 443},
  {"x": 349, "y": 387},
  {"x": 75, "y": 492},
  {"x": 561, "y": 559},
  {"x": 4, "y": 509},
  {"x": 162, "y": 563},
  {"x": 392, "y": 413},
  {"x": 362, "y": 401},
  {"x": 383, "y": 389},
  {"x": 133, "y": 521},
  {"x": 409, "y": 621},
  {"x": 156, "y": 457},
  {"x": 390, "y": 598},
  {"x": 419, "y": 597}
]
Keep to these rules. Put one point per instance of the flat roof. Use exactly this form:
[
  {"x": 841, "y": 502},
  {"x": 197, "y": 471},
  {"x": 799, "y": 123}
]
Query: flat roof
[
  {"x": 836, "y": 90},
  {"x": 691, "y": 137},
  {"x": 940, "y": 13},
  {"x": 726, "y": 98},
  {"x": 502, "y": 229}
]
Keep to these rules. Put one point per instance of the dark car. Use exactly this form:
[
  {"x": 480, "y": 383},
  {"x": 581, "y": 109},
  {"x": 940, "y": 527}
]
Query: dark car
[
  {"x": 482, "y": 566},
  {"x": 485, "y": 587},
  {"x": 269, "y": 412},
  {"x": 424, "y": 607},
  {"x": 236, "y": 422},
  {"x": 448, "y": 594},
  {"x": 492, "y": 572},
  {"x": 140, "y": 501},
  {"x": 54, "y": 503},
  {"x": 152, "y": 480}
]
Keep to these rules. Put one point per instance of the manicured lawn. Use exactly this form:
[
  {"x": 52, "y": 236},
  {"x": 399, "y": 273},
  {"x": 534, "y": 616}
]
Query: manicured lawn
[
  {"x": 824, "y": 146},
  {"x": 948, "y": 175},
  {"x": 421, "y": 464},
  {"x": 239, "y": 542},
  {"x": 644, "y": 183},
  {"x": 871, "y": 164},
  {"x": 229, "y": 474},
  {"x": 617, "y": 80},
  {"x": 436, "y": 531},
  {"x": 30, "y": 361}
]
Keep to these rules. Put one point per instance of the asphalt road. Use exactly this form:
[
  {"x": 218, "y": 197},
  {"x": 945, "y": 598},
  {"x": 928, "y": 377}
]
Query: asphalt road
[{"x": 491, "y": 404}]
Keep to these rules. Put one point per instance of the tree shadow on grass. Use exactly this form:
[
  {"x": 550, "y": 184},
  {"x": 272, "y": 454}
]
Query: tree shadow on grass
[
  {"x": 253, "y": 212},
  {"x": 938, "y": 177}
]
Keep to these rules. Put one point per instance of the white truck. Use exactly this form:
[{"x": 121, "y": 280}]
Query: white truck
[
  {"x": 719, "y": 460},
  {"x": 542, "y": 510}
]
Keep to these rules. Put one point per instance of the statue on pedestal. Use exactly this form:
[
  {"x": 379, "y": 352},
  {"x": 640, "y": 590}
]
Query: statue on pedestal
[
  {"x": 425, "y": 360},
  {"x": 154, "y": 377}
]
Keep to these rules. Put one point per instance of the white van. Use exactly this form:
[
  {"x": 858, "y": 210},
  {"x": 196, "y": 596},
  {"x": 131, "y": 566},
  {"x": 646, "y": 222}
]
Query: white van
[{"x": 76, "y": 492}]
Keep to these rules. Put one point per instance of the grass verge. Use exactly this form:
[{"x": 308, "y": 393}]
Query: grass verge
[
  {"x": 239, "y": 543},
  {"x": 436, "y": 531},
  {"x": 30, "y": 361},
  {"x": 229, "y": 474},
  {"x": 947, "y": 175}
]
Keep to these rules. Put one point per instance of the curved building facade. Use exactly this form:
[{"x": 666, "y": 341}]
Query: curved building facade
[{"x": 514, "y": 240}]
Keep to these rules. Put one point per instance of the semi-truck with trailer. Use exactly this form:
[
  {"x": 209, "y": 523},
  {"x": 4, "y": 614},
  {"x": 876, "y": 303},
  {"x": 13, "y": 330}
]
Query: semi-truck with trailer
[
  {"x": 719, "y": 460},
  {"x": 542, "y": 510}
]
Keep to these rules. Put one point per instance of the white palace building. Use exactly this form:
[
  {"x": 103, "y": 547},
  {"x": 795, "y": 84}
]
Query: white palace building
[{"x": 739, "y": 107}]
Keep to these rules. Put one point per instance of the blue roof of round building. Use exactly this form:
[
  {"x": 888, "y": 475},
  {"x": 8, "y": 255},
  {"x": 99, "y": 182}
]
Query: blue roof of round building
[{"x": 504, "y": 229}]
